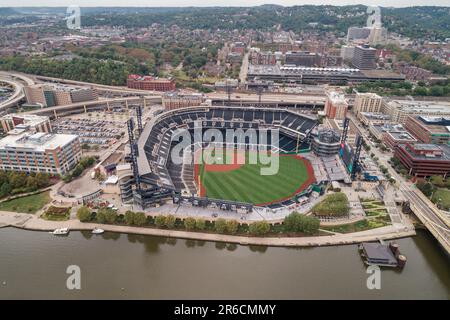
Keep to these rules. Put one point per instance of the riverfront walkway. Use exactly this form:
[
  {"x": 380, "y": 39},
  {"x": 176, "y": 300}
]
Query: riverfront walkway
[{"x": 32, "y": 222}]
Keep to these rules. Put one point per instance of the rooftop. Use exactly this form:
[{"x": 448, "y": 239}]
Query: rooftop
[
  {"x": 28, "y": 119},
  {"x": 38, "y": 142},
  {"x": 434, "y": 152},
  {"x": 412, "y": 106}
]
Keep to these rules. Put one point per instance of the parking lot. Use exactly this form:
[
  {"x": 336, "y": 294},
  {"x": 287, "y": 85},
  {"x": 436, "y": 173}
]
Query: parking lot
[{"x": 91, "y": 131}]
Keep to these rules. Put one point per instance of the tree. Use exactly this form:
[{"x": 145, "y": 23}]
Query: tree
[
  {"x": 160, "y": 221},
  {"x": 232, "y": 226},
  {"x": 101, "y": 216},
  {"x": 110, "y": 216},
  {"x": 77, "y": 171},
  {"x": 425, "y": 186},
  {"x": 140, "y": 219},
  {"x": 5, "y": 189},
  {"x": 129, "y": 217},
  {"x": 189, "y": 223},
  {"x": 437, "y": 181},
  {"x": 42, "y": 179},
  {"x": 259, "y": 228},
  {"x": 84, "y": 214},
  {"x": 170, "y": 221},
  {"x": 296, "y": 222},
  {"x": 200, "y": 224},
  {"x": 220, "y": 225}
]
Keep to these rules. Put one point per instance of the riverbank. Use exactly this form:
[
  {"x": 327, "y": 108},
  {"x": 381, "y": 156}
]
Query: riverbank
[{"x": 32, "y": 222}]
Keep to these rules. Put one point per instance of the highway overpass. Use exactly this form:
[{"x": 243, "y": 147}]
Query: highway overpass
[{"x": 101, "y": 104}]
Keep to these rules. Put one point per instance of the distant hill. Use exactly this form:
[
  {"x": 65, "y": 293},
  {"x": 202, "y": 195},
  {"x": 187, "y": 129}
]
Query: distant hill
[{"x": 416, "y": 22}]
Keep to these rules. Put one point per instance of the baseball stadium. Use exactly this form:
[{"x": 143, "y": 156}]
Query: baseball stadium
[{"x": 228, "y": 178}]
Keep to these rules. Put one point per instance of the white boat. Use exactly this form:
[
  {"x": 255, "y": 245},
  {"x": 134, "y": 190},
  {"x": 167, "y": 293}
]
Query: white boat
[
  {"x": 60, "y": 231},
  {"x": 97, "y": 231}
]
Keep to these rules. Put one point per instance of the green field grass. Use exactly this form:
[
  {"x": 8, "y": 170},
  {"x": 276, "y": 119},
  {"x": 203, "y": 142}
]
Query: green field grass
[
  {"x": 246, "y": 184},
  {"x": 27, "y": 204}
]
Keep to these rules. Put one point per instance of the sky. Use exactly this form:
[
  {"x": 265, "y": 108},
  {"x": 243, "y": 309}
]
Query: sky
[{"x": 223, "y": 3}]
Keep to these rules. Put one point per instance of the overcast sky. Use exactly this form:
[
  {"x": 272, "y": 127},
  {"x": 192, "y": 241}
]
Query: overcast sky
[{"x": 184, "y": 3}]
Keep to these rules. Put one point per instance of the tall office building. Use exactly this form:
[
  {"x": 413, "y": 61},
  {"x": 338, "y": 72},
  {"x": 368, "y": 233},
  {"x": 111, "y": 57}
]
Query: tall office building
[{"x": 364, "y": 57}]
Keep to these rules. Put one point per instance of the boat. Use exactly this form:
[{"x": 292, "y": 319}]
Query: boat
[
  {"x": 97, "y": 231},
  {"x": 60, "y": 231}
]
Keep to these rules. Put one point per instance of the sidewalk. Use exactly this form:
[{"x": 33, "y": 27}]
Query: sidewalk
[{"x": 31, "y": 222}]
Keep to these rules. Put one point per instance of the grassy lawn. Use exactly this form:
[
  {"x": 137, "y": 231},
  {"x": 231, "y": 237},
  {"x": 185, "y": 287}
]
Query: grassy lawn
[
  {"x": 246, "y": 184},
  {"x": 357, "y": 226},
  {"x": 28, "y": 204},
  {"x": 375, "y": 208},
  {"x": 444, "y": 195},
  {"x": 335, "y": 204}
]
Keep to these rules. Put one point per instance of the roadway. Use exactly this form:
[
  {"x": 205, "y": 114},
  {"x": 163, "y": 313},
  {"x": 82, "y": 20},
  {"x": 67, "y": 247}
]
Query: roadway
[
  {"x": 86, "y": 104},
  {"x": 269, "y": 98},
  {"x": 17, "y": 81},
  {"x": 427, "y": 212}
]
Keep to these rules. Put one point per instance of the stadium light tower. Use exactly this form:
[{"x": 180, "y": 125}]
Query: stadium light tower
[
  {"x": 229, "y": 90},
  {"x": 259, "y": 91},
  {"x": 133, "y": 153},
  {"x": 139, "y": 118}
]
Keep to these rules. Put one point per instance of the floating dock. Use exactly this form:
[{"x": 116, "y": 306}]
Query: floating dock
[{"x": 381, "y": 254}]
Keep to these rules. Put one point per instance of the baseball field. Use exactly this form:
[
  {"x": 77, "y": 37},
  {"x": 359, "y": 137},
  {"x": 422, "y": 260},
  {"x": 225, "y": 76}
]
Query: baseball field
[{"x": 244, "y": 183}]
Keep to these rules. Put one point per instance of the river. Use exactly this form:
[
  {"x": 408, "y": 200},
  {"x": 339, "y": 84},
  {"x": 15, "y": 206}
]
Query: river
[{"x": 120, "y": 266}]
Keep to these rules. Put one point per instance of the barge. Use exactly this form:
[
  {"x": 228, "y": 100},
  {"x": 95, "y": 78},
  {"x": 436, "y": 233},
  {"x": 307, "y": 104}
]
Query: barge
[{"x": 381, "y": 254}]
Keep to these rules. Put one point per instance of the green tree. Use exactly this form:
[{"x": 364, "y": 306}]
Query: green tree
[
  {"x": 5, "y": 189},
  {"x": 189, "y": 223},
  {"x": 232, "y": 226},
  {"x": 170, "y": 221},
  {"x": 110, "y": 216},
  {"x": 84, "y": 214},
  {"x": 220, "y": 225},
  {"x": 129, "y": 217},
  {"x": 140, "y": 219},
  {"x": 42, "y": 179},
  {"x": 200, "y": 224},
  {"x": 259, "y": 228},
  {"x": 160, "y": 221},
  {"x": 101, "y": 216}
]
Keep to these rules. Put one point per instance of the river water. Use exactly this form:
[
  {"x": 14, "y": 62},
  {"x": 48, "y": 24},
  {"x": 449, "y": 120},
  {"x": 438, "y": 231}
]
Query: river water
[{"x": 116, "y": 266}]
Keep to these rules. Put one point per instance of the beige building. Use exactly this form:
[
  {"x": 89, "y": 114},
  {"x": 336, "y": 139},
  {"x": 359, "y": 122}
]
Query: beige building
[
  {"x": 400, "y": 110},
  {"x": 368, "y": 118},
  {"x": 39, "y": 152},
  {"x": 367, "y": 102},
  {"x": 51, "y": 94}
]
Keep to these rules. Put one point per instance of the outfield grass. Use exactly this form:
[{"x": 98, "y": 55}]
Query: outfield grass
[
  {"x": 28, "y": 204},
  {"x": 246, "y": 184}
]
